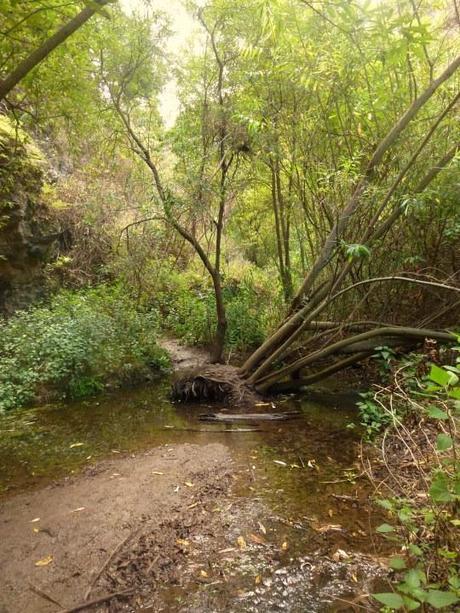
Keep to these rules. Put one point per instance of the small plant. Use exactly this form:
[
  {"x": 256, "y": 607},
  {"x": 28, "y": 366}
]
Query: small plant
[
  {"x": 386, "y": 357},
  {"x": 374, "y": 415},
  {"x": 425, "y": 524}
]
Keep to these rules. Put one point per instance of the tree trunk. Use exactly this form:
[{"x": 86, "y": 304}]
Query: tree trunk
[
  {"x": 308, "y": 302},
  {"x": 221, "y": 328},
  {"x": 37, "y": 56}
]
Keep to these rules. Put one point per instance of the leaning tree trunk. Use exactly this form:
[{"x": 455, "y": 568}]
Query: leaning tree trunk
[
  {"x": 279, "y": 364},
  {"x": 311, "y": 299},
  {"x": 37, "y": 56}
]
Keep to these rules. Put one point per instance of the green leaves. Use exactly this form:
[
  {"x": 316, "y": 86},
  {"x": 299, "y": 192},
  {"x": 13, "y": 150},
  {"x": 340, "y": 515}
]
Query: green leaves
[
  {"x": 439, "y": 600},
  {"x": 397, "y": 563},
  {"x": 385, "y": 528},
  {"x": 389, "y": 599},
  {"x": 356, "y": 252},
  {"x": 440, "y": 488},
  {"x": 73, "y": 345},
  {"x": 436, "y": 413},
  {"x": 442, "y": 377},
  {"x": 443, "y": 442},
  {"x": 435, "y": 598}
]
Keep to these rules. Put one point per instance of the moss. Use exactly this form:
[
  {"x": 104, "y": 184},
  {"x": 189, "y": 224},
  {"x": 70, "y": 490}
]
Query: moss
[{"x": 22, "y": 165}]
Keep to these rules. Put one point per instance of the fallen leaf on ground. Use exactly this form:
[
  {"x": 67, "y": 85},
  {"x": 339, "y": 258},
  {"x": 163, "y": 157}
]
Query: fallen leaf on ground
[
  {"x": 339, "y": 555},
  {"x": 76, "y": 445},
  {"x": 258, "y": 579},
  {"x": 255, "y": 538},
  {"x": 189, "y": 484},
  {"x": 182, "y": 542},
  {"x": 327, "y": 528},
  {"x": 241, "y": 542},
  {"x": 44, "y": 561},
  {"x": 203, "y": 573}
]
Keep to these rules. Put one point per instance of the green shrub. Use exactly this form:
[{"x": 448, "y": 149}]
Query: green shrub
[
  {"x": 190, "y": 312},
  {"x": 423, "y": 522},
  {"x": 73, "y": 345}
]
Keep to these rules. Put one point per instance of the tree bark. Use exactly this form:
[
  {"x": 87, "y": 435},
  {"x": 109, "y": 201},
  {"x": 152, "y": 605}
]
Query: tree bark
[{"x": 265, "y": 383}]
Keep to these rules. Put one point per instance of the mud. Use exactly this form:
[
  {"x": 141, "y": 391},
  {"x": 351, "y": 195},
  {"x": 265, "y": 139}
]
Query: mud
[{"x": 147, "y": 503}]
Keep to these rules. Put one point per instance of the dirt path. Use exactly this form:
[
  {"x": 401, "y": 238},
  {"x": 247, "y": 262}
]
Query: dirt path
[
  {"x": 182, "y": 356},
  {"x": 57, "y": 539}
]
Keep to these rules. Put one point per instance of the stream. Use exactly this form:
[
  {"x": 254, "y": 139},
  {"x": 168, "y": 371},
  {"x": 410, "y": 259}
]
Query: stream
[{"x": 300, "y": 481}]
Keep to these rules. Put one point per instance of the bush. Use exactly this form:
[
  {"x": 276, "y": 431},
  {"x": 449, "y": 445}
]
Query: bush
[
  {"x": 190, "y": 311},
  {"x": 72, "y": 346}
]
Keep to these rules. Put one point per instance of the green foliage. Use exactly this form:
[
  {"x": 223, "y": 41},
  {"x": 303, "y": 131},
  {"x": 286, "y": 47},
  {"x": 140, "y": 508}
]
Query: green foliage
[
  {"x": 356, "y": 252},
  {"x": 426, "y": 531},
  {"x": 374, "y": 415},
  {"x": 72, "y": 346},
  {"x": 190, "y": 311}
]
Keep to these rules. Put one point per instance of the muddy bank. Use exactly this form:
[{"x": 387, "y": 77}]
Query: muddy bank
[
  {"x": 57, "y": 539},
  {"x": 174, "y": 530},
  {"x": 269, "y": 518}
]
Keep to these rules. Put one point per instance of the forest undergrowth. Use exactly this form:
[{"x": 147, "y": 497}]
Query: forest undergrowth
[{"x": 410, "y": 455}]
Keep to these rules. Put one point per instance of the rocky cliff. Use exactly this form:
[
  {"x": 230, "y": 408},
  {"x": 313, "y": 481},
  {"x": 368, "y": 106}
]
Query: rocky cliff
[{"x": 26, "y": 230}]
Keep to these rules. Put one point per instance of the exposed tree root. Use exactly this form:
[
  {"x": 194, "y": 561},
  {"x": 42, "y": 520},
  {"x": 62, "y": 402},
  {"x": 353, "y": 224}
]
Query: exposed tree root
[{"x": 215, "y": 383}]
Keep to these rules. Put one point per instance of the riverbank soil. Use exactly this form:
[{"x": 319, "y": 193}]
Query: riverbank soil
[
  {"x": 172, "y": 529},
  {"x": 55, "y": 541}
]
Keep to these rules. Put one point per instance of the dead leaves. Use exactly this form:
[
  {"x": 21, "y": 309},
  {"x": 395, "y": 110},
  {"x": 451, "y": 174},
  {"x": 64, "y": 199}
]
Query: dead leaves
[
  {"x": 44, "y": 561},
  {"x": 258, "y": 540},
  {"x": 183, "y": 542},
  {"x": 311, "y": 464}
]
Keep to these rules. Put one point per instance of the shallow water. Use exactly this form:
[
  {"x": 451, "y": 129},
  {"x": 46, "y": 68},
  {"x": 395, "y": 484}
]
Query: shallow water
[{"x": 304, "y": 471}]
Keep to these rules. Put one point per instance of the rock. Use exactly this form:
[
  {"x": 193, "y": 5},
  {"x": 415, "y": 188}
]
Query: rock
[{"x": 26, "y": 227}]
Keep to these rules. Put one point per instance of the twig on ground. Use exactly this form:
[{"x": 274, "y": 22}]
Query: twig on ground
[
  {"x": 100, "y": 600},
  {"x": 44, "y": 595},
  {"x": 108, "y": 560}
]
